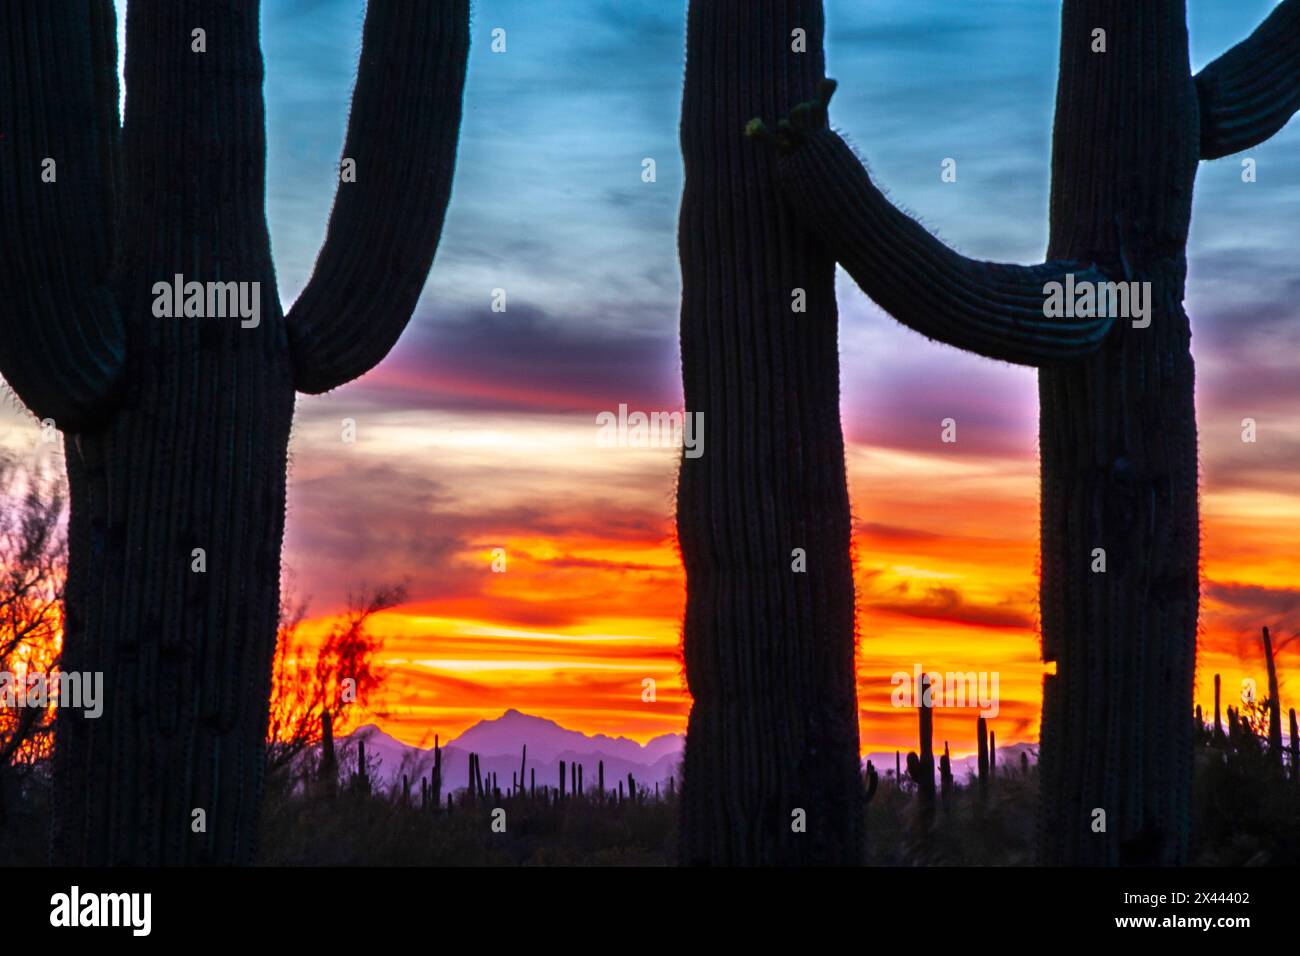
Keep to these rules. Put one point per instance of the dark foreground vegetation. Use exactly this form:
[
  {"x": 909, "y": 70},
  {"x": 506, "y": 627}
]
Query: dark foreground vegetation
[{"x": 1246, "y": 812}]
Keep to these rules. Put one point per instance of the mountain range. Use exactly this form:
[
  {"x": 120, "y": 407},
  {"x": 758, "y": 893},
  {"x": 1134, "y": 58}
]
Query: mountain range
[{"x": 499, "y": 744}]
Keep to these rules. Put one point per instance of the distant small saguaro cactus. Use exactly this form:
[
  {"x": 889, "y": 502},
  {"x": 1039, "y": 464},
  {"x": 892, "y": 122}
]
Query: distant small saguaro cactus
[
  {"x": 1218, "y": 722},
  {"x": 1274, "y": 706},
  {"x": 435, "y": 779},
  {"x": 982, "y": 738},
  {"x": 329, "y": 765},
  {"x": 361, "y": 779},
  {"x": 945, "y": 778},
  {"x": 1295, "y": 750}
]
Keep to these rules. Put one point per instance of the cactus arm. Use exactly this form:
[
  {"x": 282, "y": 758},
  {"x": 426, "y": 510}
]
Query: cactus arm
[
  {"x": 1253, "y": 90},
  {"x": 385, "y": 226},
  {"x": 992, "y": 309},
  {"x": 62, "y": 342}
]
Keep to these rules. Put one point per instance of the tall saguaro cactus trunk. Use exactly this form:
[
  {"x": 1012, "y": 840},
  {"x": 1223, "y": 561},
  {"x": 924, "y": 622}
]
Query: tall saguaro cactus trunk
[
  {"x": 177, "y": 427},
  {"x": 1118, "y": 450},
  {"x": 1118, "y": 426},
  {"x": 769, "y": 650}
]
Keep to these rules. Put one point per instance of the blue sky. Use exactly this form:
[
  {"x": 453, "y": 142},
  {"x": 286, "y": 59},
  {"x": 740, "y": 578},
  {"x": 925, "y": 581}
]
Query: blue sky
[
  {"x": 549, "y": 204},
  {"x": 479, "y": 430}
]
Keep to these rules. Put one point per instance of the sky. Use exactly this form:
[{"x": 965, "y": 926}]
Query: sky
[{"x": 479, "y": 430}]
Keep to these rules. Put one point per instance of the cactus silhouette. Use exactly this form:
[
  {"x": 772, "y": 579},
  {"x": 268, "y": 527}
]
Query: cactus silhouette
[
  {"x": 1294, "y": 747},
  {"x": 435, "y": 778},
  {"x": 176, "y": 429},
  {"x": 945, "y": 777},
  {"x": 361, "y": 779},
  {"x": 329, "y": 764},
  {"x": 921, "y": 767},
  {"x": 1274, "y": 706},
  {"x": 1117, "y": 427},
  {"x": 1218, "y": 722},
  {"x": 982, "y": 735},
  {"x": 763, "y": 514}
]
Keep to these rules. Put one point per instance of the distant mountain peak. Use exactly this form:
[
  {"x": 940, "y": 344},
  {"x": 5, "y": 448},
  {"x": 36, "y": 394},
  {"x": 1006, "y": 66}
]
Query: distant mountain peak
[{"x": 546, "y": 739}]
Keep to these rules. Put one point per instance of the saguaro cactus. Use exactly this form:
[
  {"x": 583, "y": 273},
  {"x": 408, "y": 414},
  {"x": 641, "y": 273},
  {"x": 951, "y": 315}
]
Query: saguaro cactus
[
  {"x": 763, "y": 515},
  {"x": 1118, "y": 430},
  {"x": 435, "y": 778},
  {"x": 1294, "y": 746},
  {"x": 1274, "y": 706},
  {"x": 361, "y": 779},
  {"x": 921, "y": 767},
  {"x": 982, "y": 733},
  {"x": 945, "y": 778},
  {"x": 328, "y": 773},
  {"x": 768, "y": 649},
  {"x": 177, "y": 428},
  {"x": 1218, "y": 722}
]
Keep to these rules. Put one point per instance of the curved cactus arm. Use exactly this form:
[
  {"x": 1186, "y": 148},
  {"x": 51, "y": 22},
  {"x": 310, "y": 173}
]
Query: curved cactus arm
[
  {"x": 1253, "y": 90},
  {"x": 989, "y": 308},
  {"x": 62, "y": 343},
  {"x": 384, "y": 227}
]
